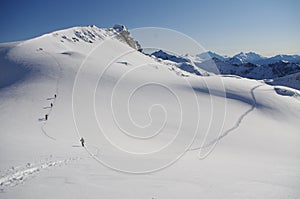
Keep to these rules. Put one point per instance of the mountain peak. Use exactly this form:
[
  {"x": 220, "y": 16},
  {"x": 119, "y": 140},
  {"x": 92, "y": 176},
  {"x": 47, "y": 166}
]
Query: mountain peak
[
  {"x": 210, "y": 55},
  {"x": 249, "y": 57},
  {"x": 167, "y": 56}
]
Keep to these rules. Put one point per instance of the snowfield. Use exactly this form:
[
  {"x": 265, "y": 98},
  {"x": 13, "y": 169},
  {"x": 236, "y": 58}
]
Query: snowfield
[{"x": 151, "y": 130}]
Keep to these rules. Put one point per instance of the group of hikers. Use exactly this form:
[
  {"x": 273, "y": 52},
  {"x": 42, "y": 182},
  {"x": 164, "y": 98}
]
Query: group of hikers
[
  {"x": 47, "y": 115},
  {"x": 51, "y": 105}
]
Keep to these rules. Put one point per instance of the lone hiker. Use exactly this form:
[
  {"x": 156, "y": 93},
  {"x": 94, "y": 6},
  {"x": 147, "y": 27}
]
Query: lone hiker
[
  {"x": 82, "y": 141},
  {"x": 46, "y": 117}
]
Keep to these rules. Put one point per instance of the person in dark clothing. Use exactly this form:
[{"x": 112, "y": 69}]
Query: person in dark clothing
[
  {"x": 51, "y": 105},
  {"x": 46, "y": 117},
  {"x": 54, "y": 95},
  {"x": 82, "y": 141}
]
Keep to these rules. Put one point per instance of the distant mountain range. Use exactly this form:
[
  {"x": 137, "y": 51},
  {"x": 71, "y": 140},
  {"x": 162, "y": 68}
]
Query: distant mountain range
[
  {"x": 277, "y": 70},
  {"x": 250, "y": 57}
]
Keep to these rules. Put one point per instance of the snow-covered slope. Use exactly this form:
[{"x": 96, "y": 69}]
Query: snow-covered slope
[
  {"x": 137, "y": 115},
  {"x": 182, "y": 63}
]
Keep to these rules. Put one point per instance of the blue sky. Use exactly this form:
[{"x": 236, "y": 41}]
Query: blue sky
[{"x": 227, "y": 27}]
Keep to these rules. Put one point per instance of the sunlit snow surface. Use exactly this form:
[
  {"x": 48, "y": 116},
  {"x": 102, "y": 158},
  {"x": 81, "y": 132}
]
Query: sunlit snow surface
[{"x": 183, "y": 134}]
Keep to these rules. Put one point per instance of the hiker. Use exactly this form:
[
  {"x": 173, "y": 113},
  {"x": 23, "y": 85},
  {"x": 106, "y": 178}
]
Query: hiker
[
  {"x": 46, "y": 117},
  {"x": 51, "y": 105},
  {"x": 54, "y": 95},
  {"x": 82, "y": 141}
]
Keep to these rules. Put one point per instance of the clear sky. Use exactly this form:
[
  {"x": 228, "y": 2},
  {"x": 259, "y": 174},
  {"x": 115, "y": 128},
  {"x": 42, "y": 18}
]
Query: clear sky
[{"x": 225, "y": 26}]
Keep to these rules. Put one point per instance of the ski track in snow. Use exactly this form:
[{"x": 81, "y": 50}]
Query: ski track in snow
[
  {"x": 235, "y": 126},
  {"x": 54, "y": 99},
  {"x": 17, "y": 175}
]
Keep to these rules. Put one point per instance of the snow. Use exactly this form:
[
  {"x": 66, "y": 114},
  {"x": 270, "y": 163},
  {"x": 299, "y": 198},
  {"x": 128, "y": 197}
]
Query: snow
[
  {"x": 15, "y": 176},
  {"x": 247, "y": 135}
]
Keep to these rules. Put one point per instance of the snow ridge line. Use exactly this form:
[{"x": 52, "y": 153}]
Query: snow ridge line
[
  {"x": 56, "y": 92},
  {"x": 20, "y": 176},
  {"x": 235, "y": 126}
]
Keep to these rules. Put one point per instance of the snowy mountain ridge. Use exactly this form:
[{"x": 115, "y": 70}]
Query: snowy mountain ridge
[
  {"x": 243, "y": 58},
  {"x": 182, "y": 63},
  {"x": 250, "y": 65},
  {"x": 92, "y": 33},
  {"x": 249, "y": 57}
]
